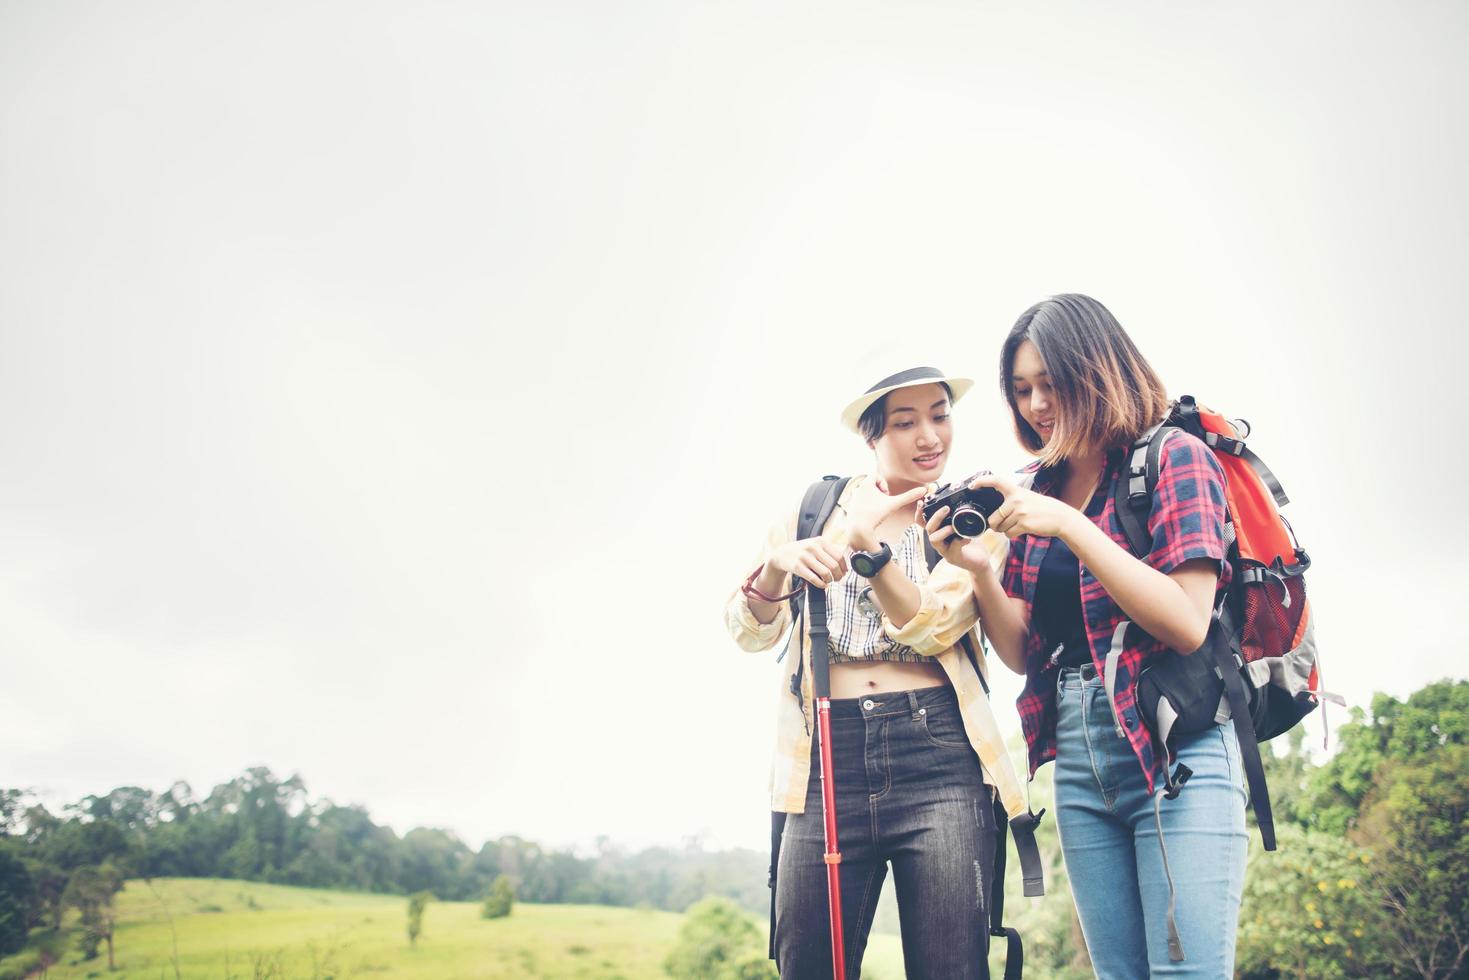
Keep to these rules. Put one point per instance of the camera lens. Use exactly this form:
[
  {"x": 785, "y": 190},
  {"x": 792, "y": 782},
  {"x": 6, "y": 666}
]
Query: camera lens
[{"x": 969, "y": 522}]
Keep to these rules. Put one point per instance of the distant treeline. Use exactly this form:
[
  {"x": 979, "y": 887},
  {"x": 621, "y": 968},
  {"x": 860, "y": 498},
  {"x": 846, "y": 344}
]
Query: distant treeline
[{"x": 261, "y": 828}]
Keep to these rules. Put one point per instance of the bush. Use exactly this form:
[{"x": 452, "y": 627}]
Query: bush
[
  {"x": 718, "y": 941},
  {"x": 499, "y": 901},
  {"x": 417, "y": 902},
  {"x": 1309, "y": 910},
  {"x": 1417, "y": 821}
]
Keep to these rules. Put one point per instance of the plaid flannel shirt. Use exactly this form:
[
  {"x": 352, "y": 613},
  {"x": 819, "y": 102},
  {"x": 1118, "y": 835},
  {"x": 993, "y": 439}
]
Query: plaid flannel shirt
[{"x": 1187, "y": 521}]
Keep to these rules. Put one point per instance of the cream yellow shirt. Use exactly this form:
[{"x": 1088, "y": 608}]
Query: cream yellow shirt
[{"x": 947, "y": 610}]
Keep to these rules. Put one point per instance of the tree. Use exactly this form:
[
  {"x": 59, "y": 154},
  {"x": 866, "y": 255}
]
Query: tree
[
  {"x": 12, "y": 810},
  {"x": 91, "y": 891},
  {"x": 417, "y": 902},
  {"x": 1400, "y": 731},
  {"x": 1417, "y": 819},
  {"x": 49, "y": 900},
  {"x": 1288, "y": 771},
  {"x": 500, "y": 899},
  {"x": 17, "y": 894},
  {"x": 716, "y": 942},
  {"x": 76, "y": 843},
  {"x": 1309, "y": 910},
  {"x": 1379, "y": 882}
]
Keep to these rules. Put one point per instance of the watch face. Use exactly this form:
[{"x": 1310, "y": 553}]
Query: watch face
[{"x": 866, "y": 564}]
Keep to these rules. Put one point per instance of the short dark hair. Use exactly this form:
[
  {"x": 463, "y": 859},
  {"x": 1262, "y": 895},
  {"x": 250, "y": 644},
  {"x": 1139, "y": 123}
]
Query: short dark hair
[
  {"x": 874, "y": 420},
  {"x": 1108, "y": 393}
]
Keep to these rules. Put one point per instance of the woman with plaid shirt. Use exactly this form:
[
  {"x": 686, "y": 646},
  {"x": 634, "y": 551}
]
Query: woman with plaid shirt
[{"x": 1080, "y": 617}]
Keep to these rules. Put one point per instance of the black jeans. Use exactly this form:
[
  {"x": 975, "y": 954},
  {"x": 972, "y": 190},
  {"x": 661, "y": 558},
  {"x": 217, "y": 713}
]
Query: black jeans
[{"x": 909, "y": 791}]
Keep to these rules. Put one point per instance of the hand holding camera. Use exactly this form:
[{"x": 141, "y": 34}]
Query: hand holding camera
[
  {"x": 968, "y": 506},
  {"x": 1023, "y": 511}
]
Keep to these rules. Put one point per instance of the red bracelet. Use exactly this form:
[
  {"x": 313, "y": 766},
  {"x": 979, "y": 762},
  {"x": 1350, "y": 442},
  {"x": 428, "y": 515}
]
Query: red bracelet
[{"x": 751, "y": 592}]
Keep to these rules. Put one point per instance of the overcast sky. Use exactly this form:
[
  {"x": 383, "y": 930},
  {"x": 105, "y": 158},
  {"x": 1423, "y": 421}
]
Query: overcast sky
[{"x": 391, "y": 393}]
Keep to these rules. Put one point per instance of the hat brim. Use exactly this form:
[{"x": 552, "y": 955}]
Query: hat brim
[{"x": 853, "y": 412}]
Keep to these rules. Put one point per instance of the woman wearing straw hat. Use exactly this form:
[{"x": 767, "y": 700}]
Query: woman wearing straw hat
[{"x": 916, "y": 754}]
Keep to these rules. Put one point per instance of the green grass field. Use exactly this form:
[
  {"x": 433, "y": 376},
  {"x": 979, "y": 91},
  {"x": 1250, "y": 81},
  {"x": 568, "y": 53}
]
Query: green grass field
[{"x": 237, "y": 929}]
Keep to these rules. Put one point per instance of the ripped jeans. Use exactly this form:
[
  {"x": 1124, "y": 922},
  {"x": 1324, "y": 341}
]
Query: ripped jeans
[{"x": 910, "y": 792}]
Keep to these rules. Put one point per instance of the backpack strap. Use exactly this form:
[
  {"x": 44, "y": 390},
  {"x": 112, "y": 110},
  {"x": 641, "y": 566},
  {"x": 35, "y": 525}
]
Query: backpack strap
[
  {"x": 1228, "y": 663},
  {"x": 1134, "y": 492},
  {"x": 1014, "y": 948},
  {"x": 816, "y": 508},
  {"x": 777, "y": 830},
  {"x": 1186, "y": 415}
]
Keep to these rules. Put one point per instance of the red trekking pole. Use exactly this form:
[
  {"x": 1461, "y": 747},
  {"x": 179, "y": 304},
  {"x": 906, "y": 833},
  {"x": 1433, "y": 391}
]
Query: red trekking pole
[{"x": 821, "y": 685}]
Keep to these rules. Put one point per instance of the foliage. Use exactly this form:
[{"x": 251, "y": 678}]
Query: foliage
[
  {"x": 1288, "y": 773},
  {"x": 1307, "y": 911},
  {"x": 1373, "y": 879},
  {"x": 718, "y": 941},
  {"x": 1400, "y": 731},
  {"x": 91, "y": 892},
  {"x": 752, "y": 964},
  {"x": 417, "y": 902},
  {"x": 1394, "y": 790},
  {"x": 260, "y": 827},
  {"x": 500, "y": 900},
  {"x": 47, "y": 902},
  {"x": 1418, "y": 817},
  {"x": 228, "y": 927},
  {"x": 17, "y": 895}
]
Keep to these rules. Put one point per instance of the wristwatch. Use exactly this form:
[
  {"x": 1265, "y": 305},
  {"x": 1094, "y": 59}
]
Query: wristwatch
[{"x": 869, "y": 563}]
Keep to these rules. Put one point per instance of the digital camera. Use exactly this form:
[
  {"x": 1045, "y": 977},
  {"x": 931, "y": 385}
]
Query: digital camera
[{"x": 969, "y": 510}]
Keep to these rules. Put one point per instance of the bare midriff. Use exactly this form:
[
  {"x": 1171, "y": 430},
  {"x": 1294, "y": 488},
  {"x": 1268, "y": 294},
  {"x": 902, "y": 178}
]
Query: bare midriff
[{"x": 859, "y": 680}]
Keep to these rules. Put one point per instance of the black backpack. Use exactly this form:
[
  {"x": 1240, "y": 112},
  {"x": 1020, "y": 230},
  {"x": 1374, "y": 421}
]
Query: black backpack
[{"x": 816, "y": 508}]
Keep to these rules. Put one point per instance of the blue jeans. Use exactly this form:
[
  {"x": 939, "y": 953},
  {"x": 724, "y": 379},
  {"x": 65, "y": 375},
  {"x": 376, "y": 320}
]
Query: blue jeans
[
  {"x": 1110, "y": 842},
  {"x": 909, "y": 791}
]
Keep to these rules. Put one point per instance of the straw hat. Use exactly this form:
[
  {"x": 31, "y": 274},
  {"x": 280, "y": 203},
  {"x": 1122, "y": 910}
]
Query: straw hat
[{"x": 903, "y": 379}]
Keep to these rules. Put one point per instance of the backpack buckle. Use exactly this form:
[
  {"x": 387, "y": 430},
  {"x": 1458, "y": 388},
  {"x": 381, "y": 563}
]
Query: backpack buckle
[
  {"x": 1176, "y": 781},
  {"x": 1235, "y": 447}
]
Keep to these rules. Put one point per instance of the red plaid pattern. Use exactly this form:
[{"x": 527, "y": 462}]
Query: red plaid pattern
[{"x": 1187, "y": 522}]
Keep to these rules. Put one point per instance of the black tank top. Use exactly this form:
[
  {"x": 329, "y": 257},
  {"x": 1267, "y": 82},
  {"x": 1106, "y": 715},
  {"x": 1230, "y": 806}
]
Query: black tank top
[{"x": 1056, "y": 611}]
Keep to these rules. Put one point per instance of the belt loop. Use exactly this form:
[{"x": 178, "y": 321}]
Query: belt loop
[{"x": 913, "y": 705}]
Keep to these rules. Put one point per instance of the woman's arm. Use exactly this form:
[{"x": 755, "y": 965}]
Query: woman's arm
[
  {"x": 896, "y": 595},
  {"x": 1004, "y": 619},
  {"x": 1173, "y": 606},
  {"x": 757, "y": 625},
  {"x": 811, "y": 561}
]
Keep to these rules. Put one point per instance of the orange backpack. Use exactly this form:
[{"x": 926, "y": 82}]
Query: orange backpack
[{"x": 1259, "y": 663}]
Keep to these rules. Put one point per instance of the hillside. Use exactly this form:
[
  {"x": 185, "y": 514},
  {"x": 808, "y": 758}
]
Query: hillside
[{"x": 245, "y": 930}]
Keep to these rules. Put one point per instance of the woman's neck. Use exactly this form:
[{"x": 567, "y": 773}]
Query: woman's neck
[
  {"x": 1080, "y": 477},
  {"x": 1088, "y": 464}
]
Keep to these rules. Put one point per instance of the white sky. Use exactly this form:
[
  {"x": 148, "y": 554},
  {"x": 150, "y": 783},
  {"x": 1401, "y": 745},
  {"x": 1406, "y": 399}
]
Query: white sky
[{"x": 392, "y": 392}]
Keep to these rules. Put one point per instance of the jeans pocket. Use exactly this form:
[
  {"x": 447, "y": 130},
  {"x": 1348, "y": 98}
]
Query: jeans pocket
[{"x": 944, "y": 727}]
